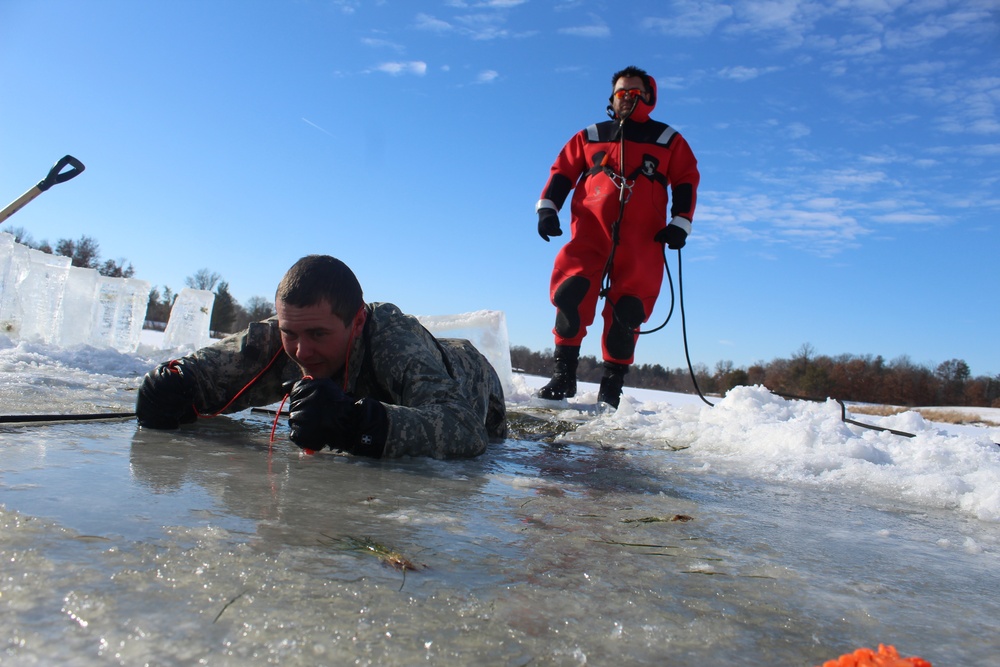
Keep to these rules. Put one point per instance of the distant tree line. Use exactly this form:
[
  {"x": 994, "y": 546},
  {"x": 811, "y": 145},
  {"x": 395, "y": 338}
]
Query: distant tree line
[{"x": 866, "y": 378}]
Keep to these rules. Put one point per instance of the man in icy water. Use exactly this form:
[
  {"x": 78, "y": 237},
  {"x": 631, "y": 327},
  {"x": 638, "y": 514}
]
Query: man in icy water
[{"x": 361, "y": 378}]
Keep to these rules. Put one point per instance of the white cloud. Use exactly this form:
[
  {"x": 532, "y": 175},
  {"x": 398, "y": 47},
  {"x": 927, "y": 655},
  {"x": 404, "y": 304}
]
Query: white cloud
[
  {"x": 785, "y": 23},
  {"x": 819, "y": 226},
  {"x": 858, "y": 46},
  {"x": 741, "y": 73},
  {"x": 597, "y": 28},
  {"x": 587, "y": 31},
  {"x": 798, "y": 130},
  {"x": 483, "y": 25},
  {"x": 495, "y": 4},
  {"x": 487, "y": 76},
  {"x": 851, "y": 178},
  {"x": 922, "y": 69},
  {"x": 970, "y": 105},
  {"x": 823, "y": 212},
  {"x": 904, "y": 218},
  {"x": 693, "y": 19},
  {"x": 378, "y": 43},
  {"x": 818, "y": 203},
  {"x": 428, "y": 22},
  {"x": 985, "y": 150},
  {"x": 416, "y": 67},
  {"x": 347, "y": 6},
  {"x": 481, "y": 20}
]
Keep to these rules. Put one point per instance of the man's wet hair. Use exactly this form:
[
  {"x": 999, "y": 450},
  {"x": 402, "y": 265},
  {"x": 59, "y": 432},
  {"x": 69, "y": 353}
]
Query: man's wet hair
[
  {"x": 316, "y": 278},
  {"x": 632, "y": 70}
]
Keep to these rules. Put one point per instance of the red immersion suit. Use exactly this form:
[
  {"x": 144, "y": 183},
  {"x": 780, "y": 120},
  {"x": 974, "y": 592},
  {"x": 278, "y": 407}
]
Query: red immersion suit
[{"x": 657, "y": 157}]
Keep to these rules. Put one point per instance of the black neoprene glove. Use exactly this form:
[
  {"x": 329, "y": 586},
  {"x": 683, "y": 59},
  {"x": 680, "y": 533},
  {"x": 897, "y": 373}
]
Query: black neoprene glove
[
  {"x": 673, "y": 236},
  {"x": 166, "y": 397},
  {"x": 548, "y": 223},
  {"x": 321, "y": 414}
]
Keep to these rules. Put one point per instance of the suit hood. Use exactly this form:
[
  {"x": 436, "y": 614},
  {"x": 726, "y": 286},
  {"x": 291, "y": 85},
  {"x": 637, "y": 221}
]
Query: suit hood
[{"x": 642, "y": 110}]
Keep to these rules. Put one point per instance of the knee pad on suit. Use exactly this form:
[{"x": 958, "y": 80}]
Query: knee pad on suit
[
  {"x": 629, "y": 314},
  {"x": 567, "y": 299}
]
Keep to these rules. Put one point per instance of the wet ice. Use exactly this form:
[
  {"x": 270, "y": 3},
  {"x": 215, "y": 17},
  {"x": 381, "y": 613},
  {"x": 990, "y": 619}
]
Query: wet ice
[{"x": 809, "y": 537}]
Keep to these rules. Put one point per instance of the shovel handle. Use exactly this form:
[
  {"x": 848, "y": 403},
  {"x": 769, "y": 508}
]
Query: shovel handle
[{"x": 57, "y": 175}]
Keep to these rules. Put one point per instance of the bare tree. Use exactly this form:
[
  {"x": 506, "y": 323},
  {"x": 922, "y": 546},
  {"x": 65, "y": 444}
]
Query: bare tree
[
  {"x": 203, "y": 279},
  {"x": 21, "y": 235},
  {"x": 258, "y": 308}
]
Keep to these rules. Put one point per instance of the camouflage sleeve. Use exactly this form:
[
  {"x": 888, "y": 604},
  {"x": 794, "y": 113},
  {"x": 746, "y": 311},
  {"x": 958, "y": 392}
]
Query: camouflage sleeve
[
  {"x": 430, "y": 412},
  {"x": 222, "y": 370}
]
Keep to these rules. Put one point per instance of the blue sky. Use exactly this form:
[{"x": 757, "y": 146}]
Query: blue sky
[{"x": 849, "y": 151}]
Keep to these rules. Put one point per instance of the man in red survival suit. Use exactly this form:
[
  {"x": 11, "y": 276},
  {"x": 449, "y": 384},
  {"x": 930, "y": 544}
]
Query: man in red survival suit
[{"x": 621, "y": 170}]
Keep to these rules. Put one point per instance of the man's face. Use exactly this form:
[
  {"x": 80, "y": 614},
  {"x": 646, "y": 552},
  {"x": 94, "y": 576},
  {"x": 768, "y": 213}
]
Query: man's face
[
  {"x": 623, "y": 105},
  {"x": 315, "y": 338}
]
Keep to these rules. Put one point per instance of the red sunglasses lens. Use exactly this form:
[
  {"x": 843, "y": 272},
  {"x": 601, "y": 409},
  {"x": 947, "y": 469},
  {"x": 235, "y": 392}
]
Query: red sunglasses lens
[{"x": 631, "y": 92}]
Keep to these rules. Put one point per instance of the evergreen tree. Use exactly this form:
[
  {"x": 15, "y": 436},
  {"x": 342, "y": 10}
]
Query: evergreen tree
[
  {"x": 85, "y": 253},
  {"x": 225, "y": 310},
  {"x": 113, "y": 269},
  {"x": 159, "y": 307}
]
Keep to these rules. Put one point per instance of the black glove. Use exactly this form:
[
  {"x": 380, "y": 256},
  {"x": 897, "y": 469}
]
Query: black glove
[
  {"x": 673, "y": 236},
  {"x": 166, "y": 397},
  {"x": 548, "y": 223},
  {"x": 321, "y": 414}
]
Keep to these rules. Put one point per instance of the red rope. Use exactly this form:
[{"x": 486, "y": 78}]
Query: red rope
[
  {"x": 245, "y": 387},
  {"x": 274, "y": 425}
]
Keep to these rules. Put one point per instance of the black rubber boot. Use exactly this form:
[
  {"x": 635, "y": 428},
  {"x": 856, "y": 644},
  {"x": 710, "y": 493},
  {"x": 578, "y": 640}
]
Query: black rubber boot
[
  {"x": 612, "y": 383},
  {"x": 563, "y": 382}
]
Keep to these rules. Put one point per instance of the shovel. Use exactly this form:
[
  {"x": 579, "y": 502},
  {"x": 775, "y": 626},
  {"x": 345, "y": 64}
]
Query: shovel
[{"x": 56, "y": 175}]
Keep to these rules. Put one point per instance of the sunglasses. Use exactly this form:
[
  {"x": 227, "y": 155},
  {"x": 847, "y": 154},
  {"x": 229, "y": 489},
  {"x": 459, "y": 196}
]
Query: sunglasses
[{"x": 631, "y": 92}]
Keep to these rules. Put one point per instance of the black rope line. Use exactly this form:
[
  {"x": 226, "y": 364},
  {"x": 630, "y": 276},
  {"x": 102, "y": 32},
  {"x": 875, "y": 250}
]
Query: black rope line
[
  {"x": 843, "y": 407},
  {"x": 25, "y": 419},
  {"x": 843, "y": 413},
  {"x": 268, "y": 411}
]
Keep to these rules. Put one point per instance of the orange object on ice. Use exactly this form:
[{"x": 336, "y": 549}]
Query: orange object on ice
[{"x": 887, "y": 656}]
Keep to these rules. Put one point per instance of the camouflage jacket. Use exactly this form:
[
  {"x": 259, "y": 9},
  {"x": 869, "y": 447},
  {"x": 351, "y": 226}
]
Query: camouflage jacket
[{"x": 442, "y": 396}]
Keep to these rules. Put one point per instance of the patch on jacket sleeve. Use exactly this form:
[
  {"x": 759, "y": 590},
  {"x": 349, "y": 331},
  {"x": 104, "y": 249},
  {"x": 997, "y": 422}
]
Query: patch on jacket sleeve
[{"x": 262, "y": 339}]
